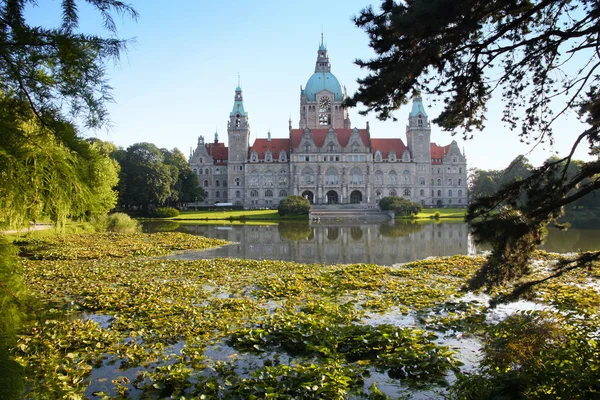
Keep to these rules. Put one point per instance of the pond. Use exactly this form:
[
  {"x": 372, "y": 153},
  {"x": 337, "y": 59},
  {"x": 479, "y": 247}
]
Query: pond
[{"x": 342, "y": 242}]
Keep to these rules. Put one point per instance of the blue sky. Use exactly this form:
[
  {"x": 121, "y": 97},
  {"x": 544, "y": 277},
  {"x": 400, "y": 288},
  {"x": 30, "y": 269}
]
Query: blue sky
[{"x": 177, "y": 81}]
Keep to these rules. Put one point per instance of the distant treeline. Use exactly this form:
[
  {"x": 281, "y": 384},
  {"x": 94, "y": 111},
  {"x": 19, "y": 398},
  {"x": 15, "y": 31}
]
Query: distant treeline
[{"x": 583, "y": 213}]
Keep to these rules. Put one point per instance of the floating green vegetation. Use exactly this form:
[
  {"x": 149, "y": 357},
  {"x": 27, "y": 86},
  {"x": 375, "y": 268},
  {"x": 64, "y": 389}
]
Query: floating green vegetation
[
  {"x": 122, "y": 326},
  {"x": 94, "y": 246}
]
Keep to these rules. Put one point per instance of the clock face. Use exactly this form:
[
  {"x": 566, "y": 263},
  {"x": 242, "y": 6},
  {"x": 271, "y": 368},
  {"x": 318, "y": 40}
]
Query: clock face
[{"x": 325, "y": 104}]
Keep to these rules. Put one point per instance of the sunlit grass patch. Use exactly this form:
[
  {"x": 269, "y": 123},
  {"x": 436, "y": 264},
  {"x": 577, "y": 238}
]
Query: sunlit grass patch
[{"x": 236, "y": 214}]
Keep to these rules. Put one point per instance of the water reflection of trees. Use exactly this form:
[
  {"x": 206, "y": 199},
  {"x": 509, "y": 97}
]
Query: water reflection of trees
[
  {"x": 399, "y": 229},
  {"x": 295, "y": 230},
  {"x": 160, "y": 226}
]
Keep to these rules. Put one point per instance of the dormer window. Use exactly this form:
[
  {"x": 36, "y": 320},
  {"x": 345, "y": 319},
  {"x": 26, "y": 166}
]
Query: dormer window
[
  {"x": 307, "y": 148},
  {"x": 354, "y": 147},
  {"x": 282, "y": 156},
  {"x": 330, "y": 147},
  {"x": 268, "y": 156},
  {"x": 254, "y": 157},
  {"x": 392, "y": 156},
  {"x": 378, "y": 156}
]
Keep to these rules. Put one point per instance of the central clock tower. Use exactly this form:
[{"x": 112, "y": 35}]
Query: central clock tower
[{"x": 321, "y": 101}]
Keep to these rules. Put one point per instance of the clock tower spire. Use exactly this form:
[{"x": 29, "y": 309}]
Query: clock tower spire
[{"x": 238, "y": 133}]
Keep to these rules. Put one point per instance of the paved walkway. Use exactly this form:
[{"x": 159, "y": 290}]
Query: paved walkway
[{"x": 32, "y": 227}]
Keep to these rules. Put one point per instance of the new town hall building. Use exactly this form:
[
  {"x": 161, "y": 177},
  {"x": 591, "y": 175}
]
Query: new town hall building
[{"x": 326, "y": 160}]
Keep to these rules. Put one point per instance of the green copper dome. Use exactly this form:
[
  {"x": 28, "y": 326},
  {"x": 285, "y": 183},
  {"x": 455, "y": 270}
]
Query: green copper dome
[{"x": 323, "y": 81}]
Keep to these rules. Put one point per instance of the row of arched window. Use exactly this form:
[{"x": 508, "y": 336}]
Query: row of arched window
[
  {"x": 268, "y": 156},
  {"x": 268, "y": 193},
  {"x": 206, "y": 183},
  {"x": 459, "y": 193}
]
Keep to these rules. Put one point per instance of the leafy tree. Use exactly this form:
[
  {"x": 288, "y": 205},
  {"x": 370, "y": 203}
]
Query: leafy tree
[
  {"x": 540, "y": 55},
  {"x": 40, "y": 177},
  {"x": 145, "y": 180},
  {"x": 51, "y": 78},
  {"x": 294, "y": 206},
  {"x": 186, "y": 188},
  {"x": 400, "y": 205}
]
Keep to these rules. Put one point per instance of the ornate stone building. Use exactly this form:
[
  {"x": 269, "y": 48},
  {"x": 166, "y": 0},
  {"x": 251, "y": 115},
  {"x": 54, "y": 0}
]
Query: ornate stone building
[{"x": 327, "y": 161}]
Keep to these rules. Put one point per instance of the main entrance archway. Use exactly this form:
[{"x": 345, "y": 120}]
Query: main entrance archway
[
  {"x": 307, "y": 194},
  {"x": 332, "y": 197},
  {"x": 355, "y": 197}
]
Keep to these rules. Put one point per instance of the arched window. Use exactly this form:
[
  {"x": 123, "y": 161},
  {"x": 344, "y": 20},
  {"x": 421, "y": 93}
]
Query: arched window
[
  {"x": 224, "y": 183},
  {"x": 282, "y": 193},
  {"x": 460, "y": 193},
  {"x": 393, "y": 193},
  {"x": 450, "y": 181},
  {"x": 200, "y": 171},
  {"x": 439, "y": 182},
  {"x": 237, "y": 194},
  {"x": 406, "y": 192},
  {"x": 392, "y": 156},
  {"x": 268, "y": 193},
  {"x": 268, "y": 156},
  {"x": 378, "y": 156},
  {"x": 378, "y": 194},
  {"x": 393, "y": 177},
  {"x": 237, "y": 182},
  {"x": 460, "y": 170},
  {"x": 421, "y": 181},
  {"x": 356, "y": 176},
  {"x": 308, "y": 176},
  {"x": 195, "y": 171},
  {"x": 406, "y": 177},
  {"x": 206, "y": 183},
  {"x": 439, "y": 193},
  {"x": 217, "y": 194},
  {"x": 355, "y": 147},
  {"x": 459, "y": 182},
  {"x": 450, "y": 193},
  {"x": 217, "y": 183},
  {"x": 206, "y": 171},
  {"x": 282, "y": 156},
  {"x": 332, "y": 177},
  {"x": 307, "y": 148},
  {"x": 406, "y": 156},
  {"x": 378, "y": 178},
  {"x": 254, "y": 193},
  {"x": 421, "y": 192},
  {"x": 254, "y": 157},
  {"x": 330, "y": 147},
  {"x": 420, "y": 122}
]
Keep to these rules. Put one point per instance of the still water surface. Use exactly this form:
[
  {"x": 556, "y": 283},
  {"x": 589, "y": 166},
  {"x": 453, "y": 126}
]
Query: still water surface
[{"x": 350, "y": 242}]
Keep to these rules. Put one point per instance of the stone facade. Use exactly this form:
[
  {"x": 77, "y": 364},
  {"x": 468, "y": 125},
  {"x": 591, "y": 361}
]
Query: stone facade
[{"x": 326, "y": 161}]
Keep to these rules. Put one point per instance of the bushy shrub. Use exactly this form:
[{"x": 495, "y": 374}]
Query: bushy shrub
[
  {"x": 116, "y": 222},
  {"x": 294, "y": 206},
  {"x": 400, "y": 205},
  {"x": 164, "y": 212}
]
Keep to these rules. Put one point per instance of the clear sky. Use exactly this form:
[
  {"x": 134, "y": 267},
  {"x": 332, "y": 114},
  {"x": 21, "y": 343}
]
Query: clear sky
[{"x": 178, "y": 80}]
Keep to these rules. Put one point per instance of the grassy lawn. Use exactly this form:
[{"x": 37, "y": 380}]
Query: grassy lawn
[
  {"x": 456, "y": 213},
  {"x": 241, "y": 214}
]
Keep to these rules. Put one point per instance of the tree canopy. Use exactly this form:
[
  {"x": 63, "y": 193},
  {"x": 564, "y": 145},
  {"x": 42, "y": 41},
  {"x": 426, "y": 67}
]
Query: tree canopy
[
  {"x": 51, "y": 80},
  {"x": 541, "y": 56}
]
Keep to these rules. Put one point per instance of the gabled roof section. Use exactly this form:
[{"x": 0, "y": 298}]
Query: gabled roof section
[
  {"x": 319, "y": 135},
  {"x": 438, "y": 152},
  {"x": 218, "y": 152},
  {"x": 261, "y": 146},
  {"x": 387, "y": 145}
]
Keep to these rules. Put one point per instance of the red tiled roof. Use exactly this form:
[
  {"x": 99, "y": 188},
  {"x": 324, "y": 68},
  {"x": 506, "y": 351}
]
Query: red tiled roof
[
  {"x": 274, "y": 145},
  {"x": 387, "y": 145},
  {"x": 438, "y": 152},
  {"x": 343, "y": 136},
  {"x": 218, "y": 152}
]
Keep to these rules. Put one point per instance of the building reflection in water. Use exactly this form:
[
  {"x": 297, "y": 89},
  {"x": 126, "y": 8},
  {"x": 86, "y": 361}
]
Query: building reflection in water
[{"x": 335, "y": 242}]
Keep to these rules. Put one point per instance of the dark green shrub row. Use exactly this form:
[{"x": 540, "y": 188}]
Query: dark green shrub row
[
  {"x": 400, "y": 205},
  {"x": 164, "y": 212}
]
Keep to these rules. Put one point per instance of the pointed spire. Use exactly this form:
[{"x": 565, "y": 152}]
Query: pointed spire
[
  {"x": 238, "y": 103},
  {"x": 269, "y": 135},
  {"x": 322, "y": 64},
  {"x": 239, "y": 86},
  {"x": 417, "y": 107},
  {"x": 216, "y": 137}
]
